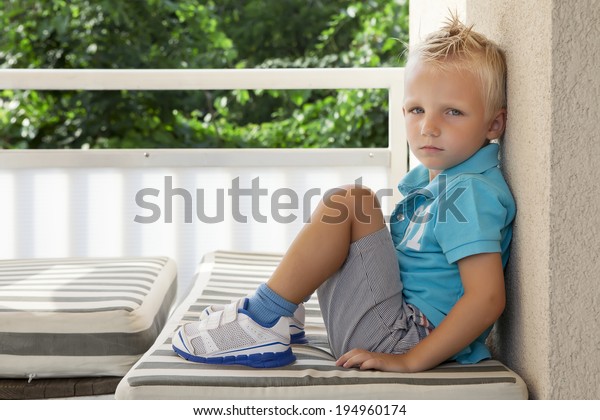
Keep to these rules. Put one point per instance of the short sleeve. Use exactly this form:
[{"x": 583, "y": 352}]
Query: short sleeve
[{"x": 471, "y": 219}]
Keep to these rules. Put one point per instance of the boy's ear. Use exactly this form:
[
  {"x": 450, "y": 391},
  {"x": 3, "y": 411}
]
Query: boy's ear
[{"x": 497, "y": 125}]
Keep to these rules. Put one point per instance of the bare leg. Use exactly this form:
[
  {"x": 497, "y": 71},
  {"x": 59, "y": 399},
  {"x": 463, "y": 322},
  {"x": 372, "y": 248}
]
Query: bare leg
[{"x": 321, "y": 247}]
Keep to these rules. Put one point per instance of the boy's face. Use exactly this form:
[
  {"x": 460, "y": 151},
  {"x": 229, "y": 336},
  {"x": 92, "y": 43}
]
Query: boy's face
[{"x": 445, "y": 116}]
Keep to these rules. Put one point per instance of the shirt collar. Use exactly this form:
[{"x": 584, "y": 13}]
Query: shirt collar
[{"x": 486, "y": 158}]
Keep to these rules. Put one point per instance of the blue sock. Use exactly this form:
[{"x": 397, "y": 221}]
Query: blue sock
[{"x": 266, "y": 306}]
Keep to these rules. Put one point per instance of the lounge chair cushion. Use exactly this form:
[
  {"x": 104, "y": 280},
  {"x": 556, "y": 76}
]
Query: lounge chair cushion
[
  {"x": 223, "y": 276},
  {"x": 81, "y": 317}
]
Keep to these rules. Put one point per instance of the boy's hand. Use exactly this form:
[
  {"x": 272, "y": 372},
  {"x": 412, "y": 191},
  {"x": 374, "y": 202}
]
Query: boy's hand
[{"x": 364, "y": 360}]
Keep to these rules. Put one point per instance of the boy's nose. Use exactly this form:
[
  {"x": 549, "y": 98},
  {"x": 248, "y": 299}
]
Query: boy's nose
[{"x": 430, "y": 130}]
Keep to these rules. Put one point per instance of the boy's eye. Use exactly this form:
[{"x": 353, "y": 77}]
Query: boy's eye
[
  {"x": 416, "y": 110},
  {"x": 454, "y": 112}
]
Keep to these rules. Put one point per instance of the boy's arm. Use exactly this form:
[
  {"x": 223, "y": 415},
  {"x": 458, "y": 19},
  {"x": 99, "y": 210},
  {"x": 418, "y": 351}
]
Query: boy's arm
[{"x": 482, "y": 276}]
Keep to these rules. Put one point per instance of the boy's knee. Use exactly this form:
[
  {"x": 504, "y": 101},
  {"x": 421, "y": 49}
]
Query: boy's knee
[
  {"x": 350, "y": 194},
  {"x": 352, "y": 201},
  {"x": 351, "y": 191}
]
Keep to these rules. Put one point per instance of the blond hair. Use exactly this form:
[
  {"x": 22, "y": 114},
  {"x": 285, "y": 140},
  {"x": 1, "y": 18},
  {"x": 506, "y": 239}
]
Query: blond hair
[{"x": 459, "y": 46}]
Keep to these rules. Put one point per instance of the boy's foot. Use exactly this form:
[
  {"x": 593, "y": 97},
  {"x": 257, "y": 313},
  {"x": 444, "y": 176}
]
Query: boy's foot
[
  {"x": 296, "y": 321},
  {"x": 231, "y": 336}
]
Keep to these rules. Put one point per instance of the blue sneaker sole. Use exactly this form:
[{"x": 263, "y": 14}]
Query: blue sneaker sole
[
  {"x": 257, "y": 360},
  {"x": 299, "y": 338}
]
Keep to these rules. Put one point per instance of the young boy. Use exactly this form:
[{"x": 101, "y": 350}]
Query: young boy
[{"x": 431, "y": 290}]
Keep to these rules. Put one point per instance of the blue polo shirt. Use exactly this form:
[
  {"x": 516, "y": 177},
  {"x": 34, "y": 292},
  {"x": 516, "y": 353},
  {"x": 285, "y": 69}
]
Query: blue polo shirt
[{"x": 466, "y": 210}]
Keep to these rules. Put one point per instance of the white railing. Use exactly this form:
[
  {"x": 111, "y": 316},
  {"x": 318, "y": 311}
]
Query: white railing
[{"x": 89, "y": 202}]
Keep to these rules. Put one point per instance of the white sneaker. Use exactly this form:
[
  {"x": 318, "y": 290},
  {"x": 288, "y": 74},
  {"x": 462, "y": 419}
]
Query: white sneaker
[
  {"x": 297, "y": 334},
  {"x": 231, "y": 336}
]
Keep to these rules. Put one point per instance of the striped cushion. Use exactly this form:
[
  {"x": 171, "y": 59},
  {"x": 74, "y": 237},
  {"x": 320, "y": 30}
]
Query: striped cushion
[
  {"x": 81, "y": 317},
  {"x": 223, "y": 276}
]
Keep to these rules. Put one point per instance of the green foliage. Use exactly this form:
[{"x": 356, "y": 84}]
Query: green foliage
[{"x": 193, "y": 34}]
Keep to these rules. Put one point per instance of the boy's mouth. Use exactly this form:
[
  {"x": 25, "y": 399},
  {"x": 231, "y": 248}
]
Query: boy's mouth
[{"x": 431, "y": 148}]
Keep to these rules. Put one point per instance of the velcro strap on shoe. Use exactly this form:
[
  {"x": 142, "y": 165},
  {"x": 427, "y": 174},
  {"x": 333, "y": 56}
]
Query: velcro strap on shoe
[
  {"x": 230, "y": 313},
  {"x": 213, "y": 321}
]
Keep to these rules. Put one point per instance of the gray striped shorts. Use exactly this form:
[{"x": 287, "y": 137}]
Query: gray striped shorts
[{"x": 362, "y": 303}]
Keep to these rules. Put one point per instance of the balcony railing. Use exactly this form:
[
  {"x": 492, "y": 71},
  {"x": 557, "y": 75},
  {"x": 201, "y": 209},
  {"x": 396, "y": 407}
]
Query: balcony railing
[{"x": 183, "y": 202}]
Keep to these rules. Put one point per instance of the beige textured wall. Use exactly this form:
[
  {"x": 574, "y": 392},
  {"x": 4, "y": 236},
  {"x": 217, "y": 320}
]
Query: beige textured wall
[
  {"x": 549, "y": 331},
  {"x": 575, "y": 200}
]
